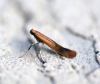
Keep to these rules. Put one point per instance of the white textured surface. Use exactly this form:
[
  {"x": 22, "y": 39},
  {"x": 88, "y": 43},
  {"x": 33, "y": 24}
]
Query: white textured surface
[{"x": 70, "y": 23}]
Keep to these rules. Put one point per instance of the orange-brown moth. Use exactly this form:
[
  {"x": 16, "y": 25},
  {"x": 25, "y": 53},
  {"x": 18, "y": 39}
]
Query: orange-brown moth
[{"x": 53, "y": 45}]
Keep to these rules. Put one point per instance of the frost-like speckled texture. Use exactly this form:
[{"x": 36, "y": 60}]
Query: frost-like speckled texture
[{"x": 72, "y": 24}]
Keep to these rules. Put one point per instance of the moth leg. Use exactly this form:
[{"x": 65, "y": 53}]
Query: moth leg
[
  {"x": 28, "y": 49},
  {"x": 39, "y": 54},
  {"x": 60, "y": 56}
]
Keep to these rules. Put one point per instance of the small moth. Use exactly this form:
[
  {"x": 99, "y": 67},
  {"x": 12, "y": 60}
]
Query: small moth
[{"x": 53, "y": 45}]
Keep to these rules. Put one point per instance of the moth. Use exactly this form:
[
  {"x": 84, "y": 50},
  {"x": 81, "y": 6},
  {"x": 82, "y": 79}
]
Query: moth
[{"x": 41, "y": 38}]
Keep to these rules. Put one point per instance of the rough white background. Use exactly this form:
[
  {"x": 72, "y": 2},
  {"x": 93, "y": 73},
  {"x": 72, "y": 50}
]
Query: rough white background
[{"x": 74, "y": 24}]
